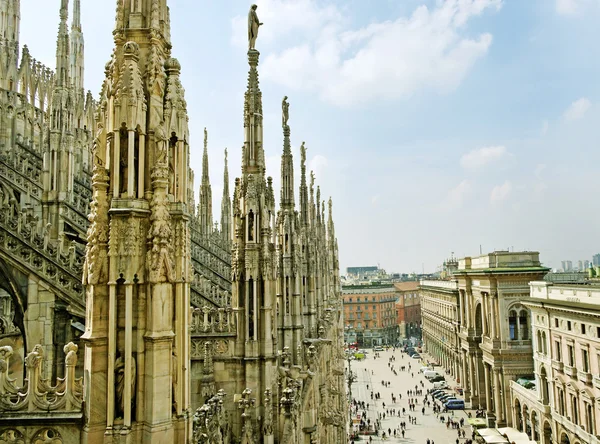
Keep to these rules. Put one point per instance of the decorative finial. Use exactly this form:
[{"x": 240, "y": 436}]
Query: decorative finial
[
  {"x": 253, "y": 24},
  {"x": 205, "y": 138}
]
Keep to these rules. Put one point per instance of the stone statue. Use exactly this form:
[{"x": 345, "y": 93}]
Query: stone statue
[
  {"x": 120, "y": 384},
  {"x": 285, "y": 115},
  {"x": 161, "y": 143},
  {"x": 99, "y": 144},
  {"x": 253, "y": 25}
]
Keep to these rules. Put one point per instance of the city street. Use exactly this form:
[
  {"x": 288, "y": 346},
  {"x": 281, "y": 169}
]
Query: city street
[{"x": 371, "y": 372}]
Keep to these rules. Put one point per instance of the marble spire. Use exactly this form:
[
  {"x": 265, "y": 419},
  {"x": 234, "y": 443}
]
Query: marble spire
[
  {"x": 226, "y": 205},
  {"x": 205, "y": 204}
]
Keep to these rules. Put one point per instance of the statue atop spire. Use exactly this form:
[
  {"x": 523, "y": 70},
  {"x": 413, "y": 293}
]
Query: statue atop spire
[
  {"x": 253, "y": 24},
  {"x": 285, "y": 111}
]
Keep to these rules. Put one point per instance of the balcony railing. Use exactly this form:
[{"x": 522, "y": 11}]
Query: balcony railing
[
  {"x": 571, "y": 371},
  {"x": 584, "y": 377},
  {"x": 557, "y": 365}
]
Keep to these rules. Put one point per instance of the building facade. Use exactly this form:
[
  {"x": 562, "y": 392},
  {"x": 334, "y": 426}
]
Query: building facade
[
  {"x": 408, "y": 310},
  {"x": 186, "y": 331},
  {"x": 370, "y": 314},
  {"x": 440, "y": 313},
  {"x": 495, "y": 333},
  {"x": 563, "y": 405}
]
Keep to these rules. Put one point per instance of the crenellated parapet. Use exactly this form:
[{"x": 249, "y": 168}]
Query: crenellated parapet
[{"x": 38, "y": 396}]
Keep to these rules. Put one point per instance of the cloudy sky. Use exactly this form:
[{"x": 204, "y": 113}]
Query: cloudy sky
[{"x": 437, "y": 126}]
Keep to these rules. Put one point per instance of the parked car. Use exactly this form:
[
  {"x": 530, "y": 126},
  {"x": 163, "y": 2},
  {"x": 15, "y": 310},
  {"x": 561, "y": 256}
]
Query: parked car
[
  {"x": 447, "y": 398},
  {"x": 455, "y": 404},
  {"x": 378, "y": 348},
  {"x": 438, "y": 378},
  {"x": 440, "y": 385},
  {"x": 430, "y": 374},
  {"x": 436, "y": 391},
  {"x": 416, "y": 356},
  {"x": 423, "y": 369}
]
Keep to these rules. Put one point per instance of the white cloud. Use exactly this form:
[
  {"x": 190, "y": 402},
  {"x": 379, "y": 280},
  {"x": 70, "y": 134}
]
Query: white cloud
[
  {"x": 318, "y": 164},
  {"x": 545, "y": 127},
  {"x": 539, "y": 169},
  {"x": 456, "y": 195},
  {"x": 573, "y": 7},
  {"x": 384, "y": 60},
  {"x": 500, "y": 192},
  {"x": 567, "y": 7},
  {"x": 577, "y": 109},
  {"x": 480, "y": 157}
]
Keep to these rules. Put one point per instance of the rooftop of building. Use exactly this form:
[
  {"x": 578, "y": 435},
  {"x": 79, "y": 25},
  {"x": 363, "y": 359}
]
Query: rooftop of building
[
  {"x": 406, "y": 286},
  {"x": 501, "y": 261}
]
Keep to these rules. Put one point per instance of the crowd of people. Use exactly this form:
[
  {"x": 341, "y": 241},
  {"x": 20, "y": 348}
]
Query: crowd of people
[{"x": 401, "y": 414}]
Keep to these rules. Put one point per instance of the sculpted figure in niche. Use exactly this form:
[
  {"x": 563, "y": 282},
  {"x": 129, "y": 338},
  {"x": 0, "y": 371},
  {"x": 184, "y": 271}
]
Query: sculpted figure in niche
[
  {"x": 99, "y": 144},
  {"x": 253, "y": 25},
  {"x": 120, "y": 384},
  {"x": 124, "y": 167},
  {"x": 161, "y": 143},
  {"x": 285, "y": 113},
  {"x": 251, "y": 226}
]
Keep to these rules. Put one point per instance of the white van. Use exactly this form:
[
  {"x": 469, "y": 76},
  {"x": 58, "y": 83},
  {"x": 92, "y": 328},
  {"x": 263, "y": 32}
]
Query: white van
[
  {"x": 424, "y": 369},
  {"x": 430, "y": 374},
  {"x": 440, "y": 385}
]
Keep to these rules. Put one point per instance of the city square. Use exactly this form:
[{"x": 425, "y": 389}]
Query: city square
[{"x": 369, "y": 374}]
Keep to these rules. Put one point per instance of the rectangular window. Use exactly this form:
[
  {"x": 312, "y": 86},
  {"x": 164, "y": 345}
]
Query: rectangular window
[
  {"x": 557, "y": 350},
  {"x": 582, "y": 329},
  {"x": 374, "y": 307},
  {"x": 585, "y": 361},
  {"x": 569, "y": 325},
  {"x": 556, "y": 322},
  {"x": 571, "y": 355}
]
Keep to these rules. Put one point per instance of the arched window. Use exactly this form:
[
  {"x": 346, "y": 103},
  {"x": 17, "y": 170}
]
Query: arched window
[
  {"x": 512, "y": 325},
  {"x": 539, "y": 342},
  {"x": 544, "y": 343}
]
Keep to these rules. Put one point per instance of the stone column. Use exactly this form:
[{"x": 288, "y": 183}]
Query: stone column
[
  {"x": 116, "y": 163},
  {"x": 497, "y": 400},
  {"x": 130, "y": 161},
  {"x": 486, "y": 371},
  {"x": 141, "y": 165},
  {"x": 127, "y": 395},
  {"x": 494, "y": 315}
]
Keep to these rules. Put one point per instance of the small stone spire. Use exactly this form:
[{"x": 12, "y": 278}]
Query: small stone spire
[
  {"x": 287, "y": 163},
  {"x": 312, "y": 198},
  {"x": 253, "y": 161},
  {"x": 303, "y": 187},
  {"x": 62, "y": 47},
  {"x": 10, "y": 23},
  {"x": 330, "y": 225},
  {"x": 77, "y": 45},
  {"x": 226, "y": 205},
  {"x": 205, "y": 213}
]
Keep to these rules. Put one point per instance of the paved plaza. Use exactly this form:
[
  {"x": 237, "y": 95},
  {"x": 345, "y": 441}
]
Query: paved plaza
[{"x": 369, "y": 375}]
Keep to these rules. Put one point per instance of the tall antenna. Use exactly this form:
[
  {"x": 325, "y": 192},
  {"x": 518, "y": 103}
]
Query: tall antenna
[{"x": 480, "y": 252}]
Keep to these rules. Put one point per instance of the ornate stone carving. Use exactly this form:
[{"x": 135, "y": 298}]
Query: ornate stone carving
[
  {"x": 11, "y": 436},
  {"x": 65, "y": 396},
  {"x": 47, "y": 436},
  {"x": 159, "y": 257}
]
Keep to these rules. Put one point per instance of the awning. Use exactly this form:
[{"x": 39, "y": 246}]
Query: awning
[
  {"x": 514, "y": 435},
  {"x": 477, "y": 422},
  {"x": 488, "y": 432},
  {"x": 493, "y": 439}
]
